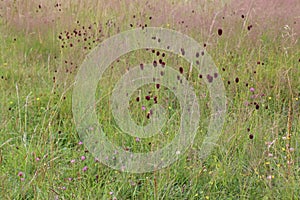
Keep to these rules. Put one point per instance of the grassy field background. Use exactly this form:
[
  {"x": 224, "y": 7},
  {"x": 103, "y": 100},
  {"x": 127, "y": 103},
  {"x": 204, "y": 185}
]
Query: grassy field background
[{"x": 254, "y": 44}]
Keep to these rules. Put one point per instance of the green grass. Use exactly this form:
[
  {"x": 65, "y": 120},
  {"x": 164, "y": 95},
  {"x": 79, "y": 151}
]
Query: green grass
[{"x": 38, "y": 135}]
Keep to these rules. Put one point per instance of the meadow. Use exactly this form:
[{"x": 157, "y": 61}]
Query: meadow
[{"x": 254, "y": 45}]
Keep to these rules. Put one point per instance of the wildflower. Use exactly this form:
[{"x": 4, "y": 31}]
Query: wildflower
[
  {"x": 143, "y": 108},
  {"x": 220, "y": 31},
  {"x": 269, "y": 177},
  {"x": 209, "y": 78},
  {"x": 252, "y": 89},
  {"x": 181, "y": 70},
  {"x": 292, "y": 149},
  {"x": 82, "y": 158},
  {"x": 137, "y": 139},
  {"x": 182, "y": 51},
  {"x": 154, "y": 63},
  {"x": 80, "y": 142},
  {"x": 270, "y": 155},
  {"x": 72, "y": 161},
  {"x": 20, "y": 174},
  {"x": 85, "y": 168}
]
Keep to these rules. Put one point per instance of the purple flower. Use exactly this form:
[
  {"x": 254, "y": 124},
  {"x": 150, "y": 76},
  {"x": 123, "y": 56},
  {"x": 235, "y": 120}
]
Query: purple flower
[
  {"x": 72, "y": 161},
  {"x": 80, "y": 143},
  {"x": 85, "y": 168},
  {"x": 137, "y": 139},
  {"x": 252, "y": 89},
  {"x": 82, "y": 158},
  {"x": 20, "y": 174},
  {"x": 143, "y": 108}
]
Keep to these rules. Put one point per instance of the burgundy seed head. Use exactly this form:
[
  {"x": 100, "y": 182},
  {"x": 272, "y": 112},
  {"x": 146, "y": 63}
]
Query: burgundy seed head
[
  {"x": 181, "y": 70},
  {"x": 209, "y": 78},
  {"x": 257, "y": 106},
  {"x": 237, "y": 79},
  {"x": 220, "y": 31},
  {"x": 182, "y": 51}
]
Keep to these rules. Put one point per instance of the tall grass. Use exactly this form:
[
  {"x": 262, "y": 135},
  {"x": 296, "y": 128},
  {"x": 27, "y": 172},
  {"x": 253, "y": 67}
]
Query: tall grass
[{"x": 258, "y": 57}]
